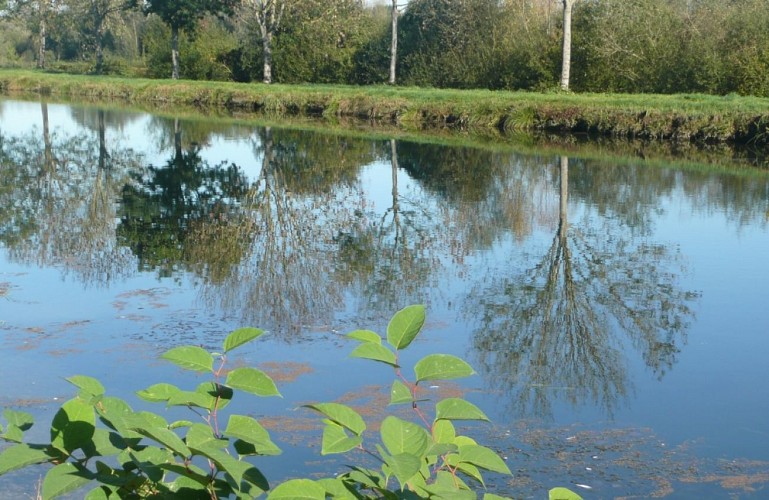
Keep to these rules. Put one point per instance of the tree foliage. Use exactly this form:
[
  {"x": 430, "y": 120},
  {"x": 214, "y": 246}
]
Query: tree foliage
[{"x": 620, "y": 46}]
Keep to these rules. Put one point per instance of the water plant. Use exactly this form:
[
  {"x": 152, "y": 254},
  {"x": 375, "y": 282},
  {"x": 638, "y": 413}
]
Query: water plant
[{"x": 99, "y": 441}]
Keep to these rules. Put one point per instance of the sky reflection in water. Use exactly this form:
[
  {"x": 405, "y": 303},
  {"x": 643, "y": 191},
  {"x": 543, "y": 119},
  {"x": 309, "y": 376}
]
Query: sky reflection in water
[{"x": 590, "y": 296}]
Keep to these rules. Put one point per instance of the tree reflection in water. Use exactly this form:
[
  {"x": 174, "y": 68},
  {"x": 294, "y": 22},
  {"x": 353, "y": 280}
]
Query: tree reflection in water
[
  {"x": 304, "y": 197},
  {"x": 163, "y": 202},
  {"x": 57, "y": 205},
  {"x": 553, "y": 332}
]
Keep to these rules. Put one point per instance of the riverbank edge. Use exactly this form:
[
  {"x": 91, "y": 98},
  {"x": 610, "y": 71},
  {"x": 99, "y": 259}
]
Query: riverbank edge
[{"x": 680, "y": 118}]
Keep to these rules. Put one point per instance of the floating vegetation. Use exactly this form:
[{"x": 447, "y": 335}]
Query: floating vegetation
[{"x": 622, "y": 463}]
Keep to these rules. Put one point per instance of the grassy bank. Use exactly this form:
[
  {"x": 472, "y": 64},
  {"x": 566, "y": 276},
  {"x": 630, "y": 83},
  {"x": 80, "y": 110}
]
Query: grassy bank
[{"x": 687, "y": 118}]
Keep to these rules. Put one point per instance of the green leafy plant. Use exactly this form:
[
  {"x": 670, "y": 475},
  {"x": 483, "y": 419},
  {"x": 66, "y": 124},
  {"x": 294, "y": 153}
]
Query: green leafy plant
[
  {"x": 99, "y": 438},
  {"x": 425, "y": 457},
  {"x": 99, "y": 441}
]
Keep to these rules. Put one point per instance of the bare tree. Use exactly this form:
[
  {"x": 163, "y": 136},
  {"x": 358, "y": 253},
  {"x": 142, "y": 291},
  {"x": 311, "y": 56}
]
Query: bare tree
[
  {"x": 553, "y": 332},
  {"x": 394, "y": 42},
  {"x": 568, "y": 6},
  {"x": 44, "y": 9},
  {"x": 268, "y": 15}
]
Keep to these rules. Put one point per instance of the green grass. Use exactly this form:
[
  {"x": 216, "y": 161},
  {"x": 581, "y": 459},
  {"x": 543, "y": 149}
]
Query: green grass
[
  {"x": 687, "y": 117},
  {"x": 178, "y": 99}
]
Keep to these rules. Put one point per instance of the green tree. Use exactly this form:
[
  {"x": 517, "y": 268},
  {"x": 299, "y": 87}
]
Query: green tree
[
  {"x": 449, "y": 44},
  {"x": 99, "y": 14},
  {"x": 183, "y": 15},
  {"x": 319, "y": 40}
]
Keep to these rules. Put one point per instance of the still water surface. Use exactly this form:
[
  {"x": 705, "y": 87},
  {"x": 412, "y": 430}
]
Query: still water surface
[{"x": 616, "y": 314}]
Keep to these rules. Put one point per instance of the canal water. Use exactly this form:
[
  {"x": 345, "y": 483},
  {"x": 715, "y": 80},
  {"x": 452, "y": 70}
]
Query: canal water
[{"x": 615, "y": 310}]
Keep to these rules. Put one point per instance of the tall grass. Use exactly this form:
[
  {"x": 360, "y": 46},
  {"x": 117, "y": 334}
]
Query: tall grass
[{"x": 687, "y": 117}]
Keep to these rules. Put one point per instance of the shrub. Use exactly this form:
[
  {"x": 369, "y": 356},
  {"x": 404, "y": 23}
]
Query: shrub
[{"x": 99, "y": 440}]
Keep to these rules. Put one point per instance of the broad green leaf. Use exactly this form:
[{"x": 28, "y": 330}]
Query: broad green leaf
[
  {"x": 255, "y": 477},
  {"x": 189, "y": 487},
  {"x": 405, "y": 326},
  {"x": 484, "y": 458},
  {"x": 204, "y": 395},
  {"x": 103, "y": 444},
  {"x": 20, "y": 419},
  {"x": 251, "y": 432},
  {"x": 400, "y": 436},
  {"x": 253, "y": 381},
  {"x": 403, "y": 466},
  {"x": 336, "y": 440},
  {"x": 220, "y": 395},
  {"x": 441, "y": 493},
  {"x": 239, "y": 337},
  {"x": 336, "y": 488},
  {"x": 158, "y": 393},
  {"x": 447, "y": 479},
  {"x": 18, "y": 422},
  {"x": 111, "y": 480},
  {"x": 384, "y": 456},
  {"x": 375, "y": 352},
  {"x": 400, "y": 393},
  {"x": 365, "y": 336},
  {"x": 112, "y": 408},
  {"x": 148, "y": 460},
  {"x": 191, "y": 398},
  {"x": 298, "y": 489},
  {"x": 441, "y": 367},
  {"x": 444, "y": 432},
  {"x": 189, "y": 471},
  {"x": 561, "y": 493},
  {"x": 366, "y": 477},
  {"x": 463, "y": 440},
  {"x": 449, "y": 487},
  {"x": 191, "y": 357},
  {"x": 225, "y": 462},
  {"x": 88, "y": 385},
  {"x": 418, "y": 483},
  {"x": 64, "y": 478},
  {"x": 139, "y": 422},
  {"x": 342, "y": 415},
  {"x": 458, "y": 409},
  {"x": 13, "y": 433},
  {"x": 471, "y": 470},
  {"x": 73, "y": 426},
  {"x": 102, "y": 493},
  {"x": 439, "y": 449},
  {"x": 21, "y": 455},
  {"x": 179, "y": 424},
  {"x": 201, "y": 436},
  {"x": 152, "y": 419}
]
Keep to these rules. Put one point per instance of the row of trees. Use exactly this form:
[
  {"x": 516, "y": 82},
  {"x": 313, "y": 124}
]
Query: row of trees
[{"x": 710, "y": 46}]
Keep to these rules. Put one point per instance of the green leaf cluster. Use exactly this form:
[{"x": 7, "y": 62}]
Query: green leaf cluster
[
  {"x": 420, "y": 458},
  {"x": 99, "y": 445}
]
